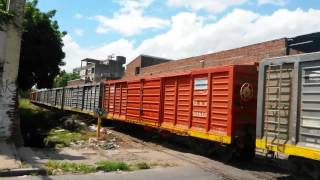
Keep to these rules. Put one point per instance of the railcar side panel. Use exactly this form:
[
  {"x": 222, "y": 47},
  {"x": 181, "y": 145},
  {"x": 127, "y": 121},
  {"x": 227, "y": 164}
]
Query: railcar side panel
[
  {"x": 91, "y": 94},
  {"x": 51, "y": 97},
  {"x": 59, "y": 98},
  {"x": 211, "y": 109},
  {"x": 112, "y": 91},
  {"x": 67, "y": 97},
  {"x": 88, "y": 98},
  {"x": 134, "y": 100},
  {"x": 106, "y": 97},
  {"x": 150, "y": 104},
  {"x": 221, "y": 103},
  {"x": 116, "y": 100},
  {"x": 45, "y": 97},
  {"x": 169, "y": 103},
  {"x": 200, "y": 102},
  {"x": 97, "y": 97},
  {"x": 309, "y": 114},
  {"x": 176, "y": 103},
  {"x": 183, "y": 102},
  {"x": 77, "y": 98},
  {"x": 288, "y": 105},
  {"x": 123, "y": 103}
]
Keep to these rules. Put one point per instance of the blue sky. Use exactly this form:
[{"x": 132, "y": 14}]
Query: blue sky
[{"x": 175, "y": 28}]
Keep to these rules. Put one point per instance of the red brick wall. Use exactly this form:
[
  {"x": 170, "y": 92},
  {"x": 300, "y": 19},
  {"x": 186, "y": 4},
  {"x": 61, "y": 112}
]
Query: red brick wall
[
  {"x": 75, "y": 82},
  {"x": 131, "y": 67},
  {"x": 243, "y": 55}
]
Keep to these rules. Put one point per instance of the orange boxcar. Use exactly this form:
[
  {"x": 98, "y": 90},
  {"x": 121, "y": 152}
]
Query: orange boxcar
[
  {"x": 217, "y": 104},
  {"x": 136, "y": 101}
]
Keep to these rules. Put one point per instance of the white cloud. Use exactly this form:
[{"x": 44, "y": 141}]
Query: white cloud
[
  {"x": 214, "y": 6},
  {"x": 79, "y": 32},
  {"x": 78, "y": 16},
  {"x": 189, "y": 35},
  {"x": 274, "y": 2},
  {"x": 130, "y": 19},
  {"x": 75, "y": 53}
]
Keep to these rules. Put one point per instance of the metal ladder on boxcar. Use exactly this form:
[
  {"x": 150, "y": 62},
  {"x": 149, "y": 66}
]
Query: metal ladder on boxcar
[{"x": 276, "y": 108}]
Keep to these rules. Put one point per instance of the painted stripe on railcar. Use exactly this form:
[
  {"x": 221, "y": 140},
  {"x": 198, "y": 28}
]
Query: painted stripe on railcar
[{"x": 290, "y": 149}]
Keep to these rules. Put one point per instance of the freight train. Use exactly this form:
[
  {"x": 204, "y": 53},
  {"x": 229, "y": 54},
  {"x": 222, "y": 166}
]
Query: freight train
[{"x": 274, "y": 107}]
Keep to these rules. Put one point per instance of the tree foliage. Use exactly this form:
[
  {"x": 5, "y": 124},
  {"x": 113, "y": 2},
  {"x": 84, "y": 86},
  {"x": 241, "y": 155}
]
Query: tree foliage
[
  {"x": 62, "y": 79},
  {"x": 5, "y": 15},
  {"x": 41, "y": 48}
]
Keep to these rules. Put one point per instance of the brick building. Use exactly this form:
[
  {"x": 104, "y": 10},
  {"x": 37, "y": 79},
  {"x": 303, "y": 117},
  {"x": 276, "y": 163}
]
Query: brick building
[
  {"x": 243, "y": 55},
  {"x": 135, "y": 66}
]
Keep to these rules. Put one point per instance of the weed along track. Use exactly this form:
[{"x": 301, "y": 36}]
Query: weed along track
[{"x": 71, "y": 148}]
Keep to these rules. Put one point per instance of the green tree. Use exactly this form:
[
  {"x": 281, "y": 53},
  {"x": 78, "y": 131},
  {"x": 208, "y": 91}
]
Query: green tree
[
  {"x": 5, "y": 15},
  {"x": 62, "y": 79},
  {"x": 41, "y": 48}
]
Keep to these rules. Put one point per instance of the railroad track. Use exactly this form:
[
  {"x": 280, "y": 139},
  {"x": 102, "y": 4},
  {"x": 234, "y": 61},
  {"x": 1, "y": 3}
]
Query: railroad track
[{"x": 218, "y": 168}]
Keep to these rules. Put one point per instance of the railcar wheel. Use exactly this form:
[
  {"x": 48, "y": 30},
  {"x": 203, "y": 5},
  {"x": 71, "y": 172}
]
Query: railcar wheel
[
  {"x": 228, "y": 153},
  {"x": 246, "y": 148},
  {"x": 247, "y": 153}
]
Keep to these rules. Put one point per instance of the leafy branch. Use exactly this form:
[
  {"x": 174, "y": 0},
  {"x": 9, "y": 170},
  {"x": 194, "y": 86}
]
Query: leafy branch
[{"x": 5, "y": 15}]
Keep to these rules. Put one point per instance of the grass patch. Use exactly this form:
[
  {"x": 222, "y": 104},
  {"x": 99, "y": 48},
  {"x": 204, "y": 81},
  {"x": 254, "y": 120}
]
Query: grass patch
[
  {"x": 55, "y": 167},
  {"x": 24, "y": 165},
  {"x": 143, "y": 165},
  {"x": 42, "y": 128},
  {"x": 62, "y": 138},
  {"x": 108, "y": 166},
  {"x": 154, "y": 164},
  {"x": 25, "y": 104},
  {"x": 36, "y": 122},
  {"x": 59, "y": 167}
]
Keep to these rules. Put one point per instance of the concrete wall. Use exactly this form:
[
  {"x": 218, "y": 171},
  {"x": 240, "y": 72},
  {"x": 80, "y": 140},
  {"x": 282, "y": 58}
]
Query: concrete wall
[
  {"x": 114, "y": 70},
  {"x": 3, "y": 124},
  {"x": 9, "y": 119},
  {"x": 2, "y": 39},
  {"x": 117, "y": 70}
]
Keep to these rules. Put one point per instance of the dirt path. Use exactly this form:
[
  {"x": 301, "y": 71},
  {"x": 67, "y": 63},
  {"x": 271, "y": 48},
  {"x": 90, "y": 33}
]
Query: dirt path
[
  {"x": 255, "y": 170},
  {"x": 131, "y": 144}
]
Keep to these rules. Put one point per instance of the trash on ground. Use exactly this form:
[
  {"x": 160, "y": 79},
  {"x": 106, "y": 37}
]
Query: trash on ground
[{"x": 60, "y": 130}]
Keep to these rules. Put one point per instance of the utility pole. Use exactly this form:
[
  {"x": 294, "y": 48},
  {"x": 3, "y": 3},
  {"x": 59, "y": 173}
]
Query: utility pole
[{"x": 100, "y": 112}]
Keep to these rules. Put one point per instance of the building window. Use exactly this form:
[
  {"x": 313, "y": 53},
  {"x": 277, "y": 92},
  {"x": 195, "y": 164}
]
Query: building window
[
  {"x": 92, "y": 70},
  {"x": 137, "y": 71}
]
